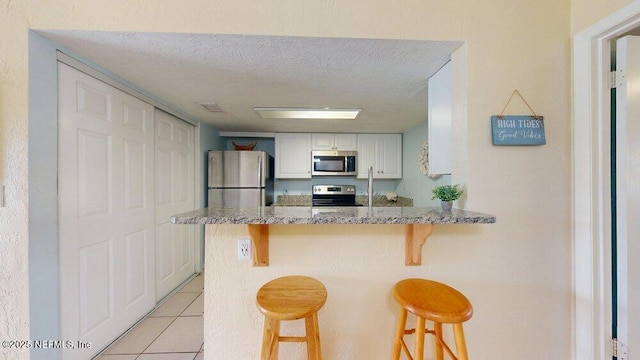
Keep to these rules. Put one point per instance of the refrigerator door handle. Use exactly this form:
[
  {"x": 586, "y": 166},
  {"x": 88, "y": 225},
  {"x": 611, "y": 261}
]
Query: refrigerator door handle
[
  {"x": 210, "y": 170},
  {"x": 260, "y": 170}
]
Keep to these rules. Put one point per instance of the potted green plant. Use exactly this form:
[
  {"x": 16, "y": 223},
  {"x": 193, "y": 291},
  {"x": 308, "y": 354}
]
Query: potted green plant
[{"x": 447, "y": 194}]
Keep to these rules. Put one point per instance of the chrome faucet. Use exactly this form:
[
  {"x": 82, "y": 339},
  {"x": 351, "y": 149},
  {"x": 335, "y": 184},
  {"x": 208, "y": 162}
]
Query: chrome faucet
[{"x": 370, "y": 186}]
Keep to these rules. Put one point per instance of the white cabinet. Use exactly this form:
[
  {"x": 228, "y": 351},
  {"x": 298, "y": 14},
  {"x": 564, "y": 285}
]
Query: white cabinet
[
  {"x": 390, "y": 156},
  {"x": 334, "y": 142},
  {"x": 293, "y": 156},
  {"x": 440, "y": 120},
  {"x": 383, "y": 152}
]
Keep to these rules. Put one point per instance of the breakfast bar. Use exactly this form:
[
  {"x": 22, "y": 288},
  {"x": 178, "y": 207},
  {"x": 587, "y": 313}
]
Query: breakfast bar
[
  {"x": 418, "y": 222},
  {"x": 358, "y": 253}
]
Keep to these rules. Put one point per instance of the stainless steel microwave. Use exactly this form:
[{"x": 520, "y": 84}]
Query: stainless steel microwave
[{"x": 334, "y": 162}]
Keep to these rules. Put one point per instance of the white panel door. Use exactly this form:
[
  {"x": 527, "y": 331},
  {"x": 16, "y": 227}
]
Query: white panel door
[
  {"x": 628, "y": 194},
  {"x": 106, "y": 209},
  {"x": 175, "y": 193}
]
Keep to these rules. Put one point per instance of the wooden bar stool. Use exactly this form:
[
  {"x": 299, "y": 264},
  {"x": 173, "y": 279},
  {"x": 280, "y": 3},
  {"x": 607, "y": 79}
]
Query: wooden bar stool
[
  {"x": 430, "y": 300},
  {"x": 291, "y": 298}
]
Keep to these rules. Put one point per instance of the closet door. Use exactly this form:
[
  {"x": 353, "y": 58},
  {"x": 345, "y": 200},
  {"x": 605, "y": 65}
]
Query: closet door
[
  {"x": 175, "y": 193},
  {"x": 106, "y": 209},
  {"x": 627, "y": 296}
]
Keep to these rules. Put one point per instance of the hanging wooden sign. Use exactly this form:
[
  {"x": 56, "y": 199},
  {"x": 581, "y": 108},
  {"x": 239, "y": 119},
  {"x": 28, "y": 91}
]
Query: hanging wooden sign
[{"x": 517, "y": 129}]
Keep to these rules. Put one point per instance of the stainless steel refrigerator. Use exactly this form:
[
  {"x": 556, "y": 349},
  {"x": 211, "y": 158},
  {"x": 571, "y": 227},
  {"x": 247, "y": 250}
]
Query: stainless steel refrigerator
[{"x": 240, "y": 179}]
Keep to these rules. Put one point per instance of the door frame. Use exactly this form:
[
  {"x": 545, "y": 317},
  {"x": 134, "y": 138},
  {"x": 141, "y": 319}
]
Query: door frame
[
  {"x": 42, "y": 176},
  {"x": 591, "y": 182}
]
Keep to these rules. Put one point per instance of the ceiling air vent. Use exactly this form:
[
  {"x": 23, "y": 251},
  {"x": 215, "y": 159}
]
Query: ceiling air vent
[{"x": 212, "y": 107}]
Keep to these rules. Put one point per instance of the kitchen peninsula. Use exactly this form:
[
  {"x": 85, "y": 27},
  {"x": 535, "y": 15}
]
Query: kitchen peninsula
[{"x": 356, "y": 252}]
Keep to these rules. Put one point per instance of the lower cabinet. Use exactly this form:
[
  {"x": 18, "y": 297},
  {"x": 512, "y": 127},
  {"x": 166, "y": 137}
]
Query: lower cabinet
[{"x": 383, "y": 152}]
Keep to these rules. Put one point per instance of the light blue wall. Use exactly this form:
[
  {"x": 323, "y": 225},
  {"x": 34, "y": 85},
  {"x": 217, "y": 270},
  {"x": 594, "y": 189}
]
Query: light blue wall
[
  {"x": 413, "y": 184},
  {"x": 262, "y": 144},
  {"x": 43, "y": 194}
]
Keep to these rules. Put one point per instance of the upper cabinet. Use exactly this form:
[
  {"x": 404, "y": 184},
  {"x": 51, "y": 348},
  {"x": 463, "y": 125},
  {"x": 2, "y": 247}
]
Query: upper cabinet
[
  {"x": 383, "y": 152},
  {"x": 440, "y": 120},
  {"x": 334, "y": 142},
  {"x": 293, "y": 155}
]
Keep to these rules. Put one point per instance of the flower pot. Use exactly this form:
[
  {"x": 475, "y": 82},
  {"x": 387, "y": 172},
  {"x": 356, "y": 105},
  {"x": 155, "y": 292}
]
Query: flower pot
[{"x": 446, "y": 205}]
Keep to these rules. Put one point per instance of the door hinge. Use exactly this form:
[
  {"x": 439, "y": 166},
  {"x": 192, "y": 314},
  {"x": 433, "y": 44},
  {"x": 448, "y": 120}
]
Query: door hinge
[
  {"x": 618, "y": 349},
  {"x": 618, "y": 78}
]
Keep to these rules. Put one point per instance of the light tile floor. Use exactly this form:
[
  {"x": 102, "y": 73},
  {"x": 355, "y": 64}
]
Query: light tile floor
[{"x": 174, "y": 331}]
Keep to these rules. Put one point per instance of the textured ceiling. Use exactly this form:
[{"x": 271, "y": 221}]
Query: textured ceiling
[{"x": 386, "y": 78}]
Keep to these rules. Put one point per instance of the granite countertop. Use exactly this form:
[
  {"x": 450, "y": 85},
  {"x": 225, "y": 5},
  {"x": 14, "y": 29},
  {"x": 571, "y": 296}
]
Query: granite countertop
[
  {"x": 378, "y": 201},
  {"x": 332, "y": 215}
]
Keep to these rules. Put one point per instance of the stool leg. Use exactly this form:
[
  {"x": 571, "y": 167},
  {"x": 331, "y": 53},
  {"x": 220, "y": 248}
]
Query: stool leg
[
  {"x": 313, "y": 337},
  {"x": 437, "y": 327},
  {"x": 397, "y": 343},
  {"x": 418, "y": 349},
  {"x": 461, "y": 344},
  {"x": 270, "y": 339}
]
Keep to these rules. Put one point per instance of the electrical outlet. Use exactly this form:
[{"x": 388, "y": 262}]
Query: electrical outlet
[{"x": 244, "y": 249}]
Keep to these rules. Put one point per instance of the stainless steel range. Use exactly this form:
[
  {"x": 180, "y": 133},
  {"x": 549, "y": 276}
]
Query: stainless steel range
[{"x": 334, "y": 195}]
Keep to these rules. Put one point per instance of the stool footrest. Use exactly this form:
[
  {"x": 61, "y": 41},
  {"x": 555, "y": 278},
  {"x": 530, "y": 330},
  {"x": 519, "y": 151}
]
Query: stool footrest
[
  {"x": 412, "y": 331},
  {"x": 427, "y": 331},
  {"x": 292, "y": 338}
]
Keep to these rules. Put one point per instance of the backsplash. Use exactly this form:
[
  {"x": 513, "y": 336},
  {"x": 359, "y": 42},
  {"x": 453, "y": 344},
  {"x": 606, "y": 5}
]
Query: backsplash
[
  {"x": 303, "y": 186},
  {"x": 305, "y": 200}
]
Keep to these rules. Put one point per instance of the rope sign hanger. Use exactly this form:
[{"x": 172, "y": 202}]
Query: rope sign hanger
[
  {"x": 518, "y": 129},
  {"x": 525, "y": 102}
]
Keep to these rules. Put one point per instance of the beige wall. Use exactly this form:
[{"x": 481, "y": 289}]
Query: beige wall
[
  {"x": 585, "y": 13},
  {"x": 515, "y": 316},
  {"x": 517, "y": 272}
]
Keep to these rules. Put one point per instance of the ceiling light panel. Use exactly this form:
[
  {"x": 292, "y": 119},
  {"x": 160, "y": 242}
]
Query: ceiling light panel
[{"x": 305, "y": 113}]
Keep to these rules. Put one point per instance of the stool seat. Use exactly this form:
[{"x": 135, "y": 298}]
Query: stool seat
[
  {"x": 433, "y": 301},
  {"x": 291, "y": 297}
]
